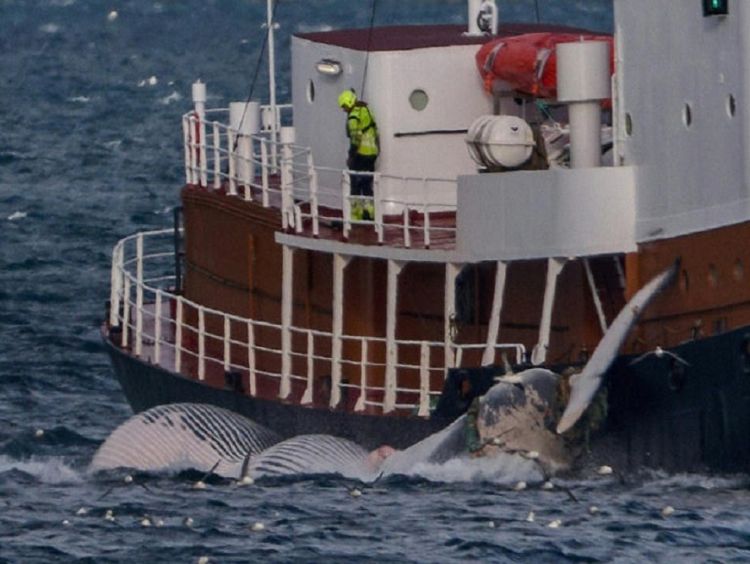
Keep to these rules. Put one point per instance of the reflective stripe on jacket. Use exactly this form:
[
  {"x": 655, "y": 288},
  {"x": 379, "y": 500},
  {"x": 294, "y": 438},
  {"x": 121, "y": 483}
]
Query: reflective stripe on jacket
[{"x": 362, "y": 130}]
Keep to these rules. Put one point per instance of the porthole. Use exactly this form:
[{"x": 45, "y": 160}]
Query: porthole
[
  {"x": 731, "y": 106},
  {"x": 629, "y": 125},
  {"x": 310, "y": 92},
  {"x": 713, "y": 276},
  {"x": 687, "y": 115},
  {"x": 738, "y": 271},
  {"x": 418, "y": 99}
]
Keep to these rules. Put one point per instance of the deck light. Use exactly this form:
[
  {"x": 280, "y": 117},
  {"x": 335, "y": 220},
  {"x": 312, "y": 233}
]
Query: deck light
[
  {"x": 329, "y": 67},
  {"x": 715, "y": 7}
]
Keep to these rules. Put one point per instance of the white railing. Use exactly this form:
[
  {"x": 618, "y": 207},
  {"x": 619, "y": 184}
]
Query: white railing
[
  {"x": 168, "y": 330},
  {"x": 284, "y": 176}
]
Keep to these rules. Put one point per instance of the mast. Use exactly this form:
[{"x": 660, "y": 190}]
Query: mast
[{"x": 272, "y": 75}]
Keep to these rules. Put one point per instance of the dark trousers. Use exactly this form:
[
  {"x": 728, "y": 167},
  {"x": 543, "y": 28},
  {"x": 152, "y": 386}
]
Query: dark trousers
[{"x": 362, "y": 183}]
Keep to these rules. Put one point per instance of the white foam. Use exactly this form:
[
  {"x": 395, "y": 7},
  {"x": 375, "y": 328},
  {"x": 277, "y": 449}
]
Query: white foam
[
  {"x": 49, "y": 28},
  {"x": 16, "y": 215},
  {"x": 79, "y": 99},
  {"x": 173, "y": 97},
  {"x": 46, "y": 470}
]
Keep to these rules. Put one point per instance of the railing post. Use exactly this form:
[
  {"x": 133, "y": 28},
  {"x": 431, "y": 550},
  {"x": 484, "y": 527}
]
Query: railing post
[
  {"x": 227, "y": 343},
  {"x": 287, "y": 280},
  {"x": 116, "y": 286},
  {"x": 139, "y": 295},
  {"x": 407, "y": 232},
  {"x": 346, "y": 203},
  {"x": 202, "y": 147},
  {"x": 360, "y": 405},
  {"x": 188, "y": 151},
  {"x": 493, "y": 325},
  {"x": 424, "y": 380},
  {"x": 125, "y": 312},
  {"x": 313, "y": 176},
  {"x": 232, "y": 163},
  {"x": 286, "y": 139},
  {"x": 157, "y": 326},
  {"x": 307, "y": 397},
  {"x": 201, "y": 344},
  {"x": 217, "y": 156},
  {"x": 178, "y": 336},
  {"x": 339, "y": 265},
  {"x": 251, "y": 357},
  {"x": 389, "y": 399},
  {"x": 378, "y": 203},
  {"x": 264, "y": 171}
]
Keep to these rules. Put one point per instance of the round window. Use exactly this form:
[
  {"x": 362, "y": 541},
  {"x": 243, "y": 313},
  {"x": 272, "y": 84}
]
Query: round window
[{"x": 418, "y": 99}]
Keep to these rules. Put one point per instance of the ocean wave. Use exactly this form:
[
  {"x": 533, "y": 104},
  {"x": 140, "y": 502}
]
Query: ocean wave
[{"x": 47, "y": 470}]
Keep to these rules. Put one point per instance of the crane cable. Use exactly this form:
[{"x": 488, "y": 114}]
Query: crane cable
[{"x": 369, "y": 42}]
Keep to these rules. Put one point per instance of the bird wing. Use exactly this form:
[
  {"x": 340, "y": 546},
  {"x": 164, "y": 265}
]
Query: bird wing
[{"x": 584, "y": 388}]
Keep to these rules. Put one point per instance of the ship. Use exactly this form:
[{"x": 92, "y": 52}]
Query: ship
[{"x": 531, "y": 179}]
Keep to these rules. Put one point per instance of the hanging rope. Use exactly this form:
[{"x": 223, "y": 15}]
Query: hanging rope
[
  {"x": 258, "y": 65},
  {"x": 536, "y": 5},
  {"x": 369, "y": 42}
]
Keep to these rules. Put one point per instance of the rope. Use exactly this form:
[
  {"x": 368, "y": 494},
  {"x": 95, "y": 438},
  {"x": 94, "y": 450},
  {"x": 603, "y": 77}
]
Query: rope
[
  {"x": 369, "y": 42},
  {"x": 258, "y": 65},
  {"x": 536, "y": 5}
]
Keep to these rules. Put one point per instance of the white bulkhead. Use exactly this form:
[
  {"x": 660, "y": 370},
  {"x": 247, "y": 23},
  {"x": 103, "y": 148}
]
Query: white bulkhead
[
  {"x": 684, "y": 81},
  {"x": 423, "y": 99}
]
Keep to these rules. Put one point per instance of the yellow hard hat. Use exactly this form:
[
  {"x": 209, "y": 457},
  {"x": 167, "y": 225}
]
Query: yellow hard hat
[{"x": 347, "y": 99}]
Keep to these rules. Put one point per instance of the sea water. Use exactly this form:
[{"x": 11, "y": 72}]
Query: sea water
[{"x": 91, "y": 94}]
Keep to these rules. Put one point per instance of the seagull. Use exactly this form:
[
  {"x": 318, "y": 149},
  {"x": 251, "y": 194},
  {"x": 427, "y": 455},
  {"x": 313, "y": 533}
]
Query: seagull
[{"x": 659, "y": 352}]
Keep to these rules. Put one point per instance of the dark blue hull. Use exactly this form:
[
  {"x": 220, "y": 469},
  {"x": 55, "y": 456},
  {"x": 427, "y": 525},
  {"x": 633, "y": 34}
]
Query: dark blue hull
[{"x": 662, "y": 413}]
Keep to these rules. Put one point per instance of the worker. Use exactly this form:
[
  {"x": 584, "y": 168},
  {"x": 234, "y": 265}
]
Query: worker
[{"x": 362, "y": 132}]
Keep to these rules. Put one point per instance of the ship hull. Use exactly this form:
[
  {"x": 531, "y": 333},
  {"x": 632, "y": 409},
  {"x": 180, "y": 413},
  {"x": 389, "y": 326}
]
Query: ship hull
[
  {"x": 146, "y": 385},
  {"x": 662, "y": 413}
]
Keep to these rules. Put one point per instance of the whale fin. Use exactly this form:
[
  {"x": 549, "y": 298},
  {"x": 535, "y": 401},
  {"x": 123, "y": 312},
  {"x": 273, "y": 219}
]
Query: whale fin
[{"x": 585, "y": 385}]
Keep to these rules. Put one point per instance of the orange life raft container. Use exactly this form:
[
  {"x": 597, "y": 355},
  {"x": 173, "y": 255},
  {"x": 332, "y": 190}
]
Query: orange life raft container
[{"x": 528, "y": 62}]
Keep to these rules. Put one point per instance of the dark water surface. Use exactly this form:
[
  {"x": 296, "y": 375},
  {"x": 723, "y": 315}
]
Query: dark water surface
[{"x": 90, "y": 152}]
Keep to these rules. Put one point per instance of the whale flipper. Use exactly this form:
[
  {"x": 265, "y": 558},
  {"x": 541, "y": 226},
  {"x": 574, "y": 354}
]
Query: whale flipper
[
  {"x": 585, "y": 385},
  {"x": 184, "y": 436}
]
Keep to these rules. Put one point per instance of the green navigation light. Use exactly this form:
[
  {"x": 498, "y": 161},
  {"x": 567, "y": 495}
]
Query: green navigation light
[{"x": 715, "y": 7}]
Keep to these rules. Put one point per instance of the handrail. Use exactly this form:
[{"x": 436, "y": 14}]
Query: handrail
[
  {"x": 284, "y": 176},
  {"x": 155, "y": 325}
]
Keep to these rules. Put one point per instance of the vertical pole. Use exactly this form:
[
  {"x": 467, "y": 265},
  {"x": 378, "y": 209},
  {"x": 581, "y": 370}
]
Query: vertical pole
[
  {"x": 157, "y": 327},
  {"x": 264, "y": 171},
  {"x": 308, "y": 395},
  {"x": 232, "y": 163},
  {"x": 360, "y": 405},
  {"x": 554, "y": 267},
  {"x": 139, "y": 296},
  {"x": 227, "y": 343},
  {"x": 201, "y": 344},
  {"x": 188, "y": 152},
  {"x": 389, "y": 399},
  {"x": 177, "y": 243},
  {"x": 493, "y": 328},
  {"x": 125, "y": 312},
  {"x": 424, "y": 380},
  {"x": 272, "y": 75},
  {"x": 313, "y": 176},
  {"x": 378, "y": 203},
  {"x": 595, "y": 296},
  {"x": 449, "y": 311},
  {"x": 251, "y": 358},
  {"x": 178, "y": 336},
  {"x": 217, "y": 156},
  {"x": 115, "y": 286},
  {"x": 286, "y": 320},
  {"x": 340, "y": 263},
  {"x": 346, "y": 203}
]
